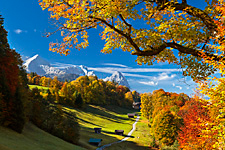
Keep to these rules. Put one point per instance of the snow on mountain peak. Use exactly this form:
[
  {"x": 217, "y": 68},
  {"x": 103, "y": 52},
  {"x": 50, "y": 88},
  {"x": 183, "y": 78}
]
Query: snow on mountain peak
[
  {"x": 34, "y": 63},
  {"x": 43, "y": 67},
  {"x": 71, "y": 72},
  {"x": 119, "y": 78}
]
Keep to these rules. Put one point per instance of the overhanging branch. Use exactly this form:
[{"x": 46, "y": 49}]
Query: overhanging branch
[
  {"x": 119, "y": 32},
  {"x": 180, "y": 48}
]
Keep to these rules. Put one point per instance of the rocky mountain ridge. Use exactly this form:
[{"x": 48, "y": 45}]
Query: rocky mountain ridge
[{"x": 44, "y": 68}]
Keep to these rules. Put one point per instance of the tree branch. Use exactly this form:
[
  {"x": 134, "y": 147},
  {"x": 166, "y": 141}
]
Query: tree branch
[
  {"x": 119, "y": 32},
  {"x": 129, "y": 25},
  {"x": 180, "y": 48}
]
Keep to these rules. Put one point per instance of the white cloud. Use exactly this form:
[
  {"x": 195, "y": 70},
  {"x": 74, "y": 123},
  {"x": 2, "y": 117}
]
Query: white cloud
[
  {"x": 18, "y": 31},
  {"x": 61, "y": 65},
  {"x": 136, "y": 75},
  {"x": 152, "y": 83},
  {"x": 131, "y": 72},
  {"x": 177, "y": 86},
  {"x": 112, "y": 69},
  {"x": 112, "y": 64},
  {"x": 164, "y": 76}
]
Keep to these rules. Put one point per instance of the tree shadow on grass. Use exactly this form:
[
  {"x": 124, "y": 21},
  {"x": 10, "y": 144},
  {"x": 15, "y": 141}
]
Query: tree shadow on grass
[
  {"x": 129, "y": 145},
  {"x": 103, "y": 113},
  {"x": 88, "y": 122},
  {"x": 108, "y": 132}
]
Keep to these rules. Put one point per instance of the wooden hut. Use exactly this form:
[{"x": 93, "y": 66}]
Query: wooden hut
[
  {"x": 131, "y": 115},
  {"x": 119, "y": 132},
  {"x": 96, "y": 142},
  {"x": 98, "y": 130}
]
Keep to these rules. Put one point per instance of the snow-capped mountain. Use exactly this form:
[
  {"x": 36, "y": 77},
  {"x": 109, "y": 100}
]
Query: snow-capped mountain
[
  {"x": 35, "y": 64},
  {"x": 44, "y": 68},
  {"x": 119, "y": 78},
  {"x": 69, "y": 72}
]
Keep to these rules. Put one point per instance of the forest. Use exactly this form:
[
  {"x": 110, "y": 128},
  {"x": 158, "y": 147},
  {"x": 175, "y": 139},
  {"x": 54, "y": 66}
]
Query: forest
[{"x": 175, "y": 121}]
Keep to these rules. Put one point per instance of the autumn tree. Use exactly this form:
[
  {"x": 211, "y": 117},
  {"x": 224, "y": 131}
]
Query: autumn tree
[
  {"x": 150, "y": 29},
  {"x": 136, "y": 96},
  {"x": 54, "y": 87},
  {"x": 213, "y": 87},
  {"x": 13, "y": 85},
  {"x": 128, "y": 99},
  {"x": 95, "y": 93},
  {"x": 45, "y": 81},
  {"x": 81, "y": 84},
  {"x": 64, "y": 89},
  {"x": 78, "y": 101},
  {"x": 146, "y": 105},
  {"x": 121, "y": 90},
  {"x": 164, "y": 127},
  {"x": 110, "y": 91},
  {"x": 195, "y": 116}
]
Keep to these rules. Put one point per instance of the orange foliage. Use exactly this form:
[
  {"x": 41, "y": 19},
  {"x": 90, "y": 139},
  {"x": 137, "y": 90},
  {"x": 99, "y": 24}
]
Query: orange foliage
[{"x": 195, "y": 117}]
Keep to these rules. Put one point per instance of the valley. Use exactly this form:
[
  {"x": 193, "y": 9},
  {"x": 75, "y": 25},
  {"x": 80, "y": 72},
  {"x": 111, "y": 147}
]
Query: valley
[{"x": 108, "y": 118}]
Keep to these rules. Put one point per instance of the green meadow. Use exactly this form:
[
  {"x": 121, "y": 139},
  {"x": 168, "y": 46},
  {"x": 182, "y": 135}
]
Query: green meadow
[
  {"x": 42, "y": 88},
  {"x": 109, "y": 118},
  {"x": 32, "y": 138}
]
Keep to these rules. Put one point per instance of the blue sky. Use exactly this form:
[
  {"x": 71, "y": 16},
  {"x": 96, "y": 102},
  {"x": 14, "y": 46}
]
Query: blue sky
[{"x": 27, "y": 23}]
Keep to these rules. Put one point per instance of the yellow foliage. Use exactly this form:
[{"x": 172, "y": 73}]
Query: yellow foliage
[{"x": 163, "y": 27}]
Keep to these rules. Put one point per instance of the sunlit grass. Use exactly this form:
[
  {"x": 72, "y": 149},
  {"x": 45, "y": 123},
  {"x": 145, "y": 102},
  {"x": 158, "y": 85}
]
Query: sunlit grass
[
  {"x": 109, "y": 118},
  {"x": 140, "y": 139},
  {"x": 32, "y": 138},
  {"x": 42, "y": 88}
]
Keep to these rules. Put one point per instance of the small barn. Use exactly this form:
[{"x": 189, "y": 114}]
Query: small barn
[
  {"x": 98, "y": 130},
  {"x": 131, "y": 115},
  {"x": 96, "y": 142},
  {"x": 119, "y": 132}
]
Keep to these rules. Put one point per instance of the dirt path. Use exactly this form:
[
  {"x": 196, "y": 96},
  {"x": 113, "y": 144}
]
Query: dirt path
[{"x": 124, "y": 139}]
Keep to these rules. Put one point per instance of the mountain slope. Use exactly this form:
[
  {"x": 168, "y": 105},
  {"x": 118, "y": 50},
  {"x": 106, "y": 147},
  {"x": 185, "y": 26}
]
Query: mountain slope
[
  {"x": 35, "y": 63},
  {"x": 119, "y": 78}
]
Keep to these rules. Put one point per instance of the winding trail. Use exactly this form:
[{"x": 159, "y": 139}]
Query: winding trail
[{"x": 124, "y": 139}]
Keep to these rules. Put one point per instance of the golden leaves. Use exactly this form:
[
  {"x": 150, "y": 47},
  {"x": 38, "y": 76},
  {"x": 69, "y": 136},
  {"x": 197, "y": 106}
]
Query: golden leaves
[{"x": 136, "y": 26}]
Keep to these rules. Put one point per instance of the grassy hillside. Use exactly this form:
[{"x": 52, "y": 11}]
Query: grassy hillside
[
  {"x": 110, "y": 118},
  {"x": 140, "y": 139},
  {"x": 42, "y": 88},
  {"x": 32, "y": 138}
]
